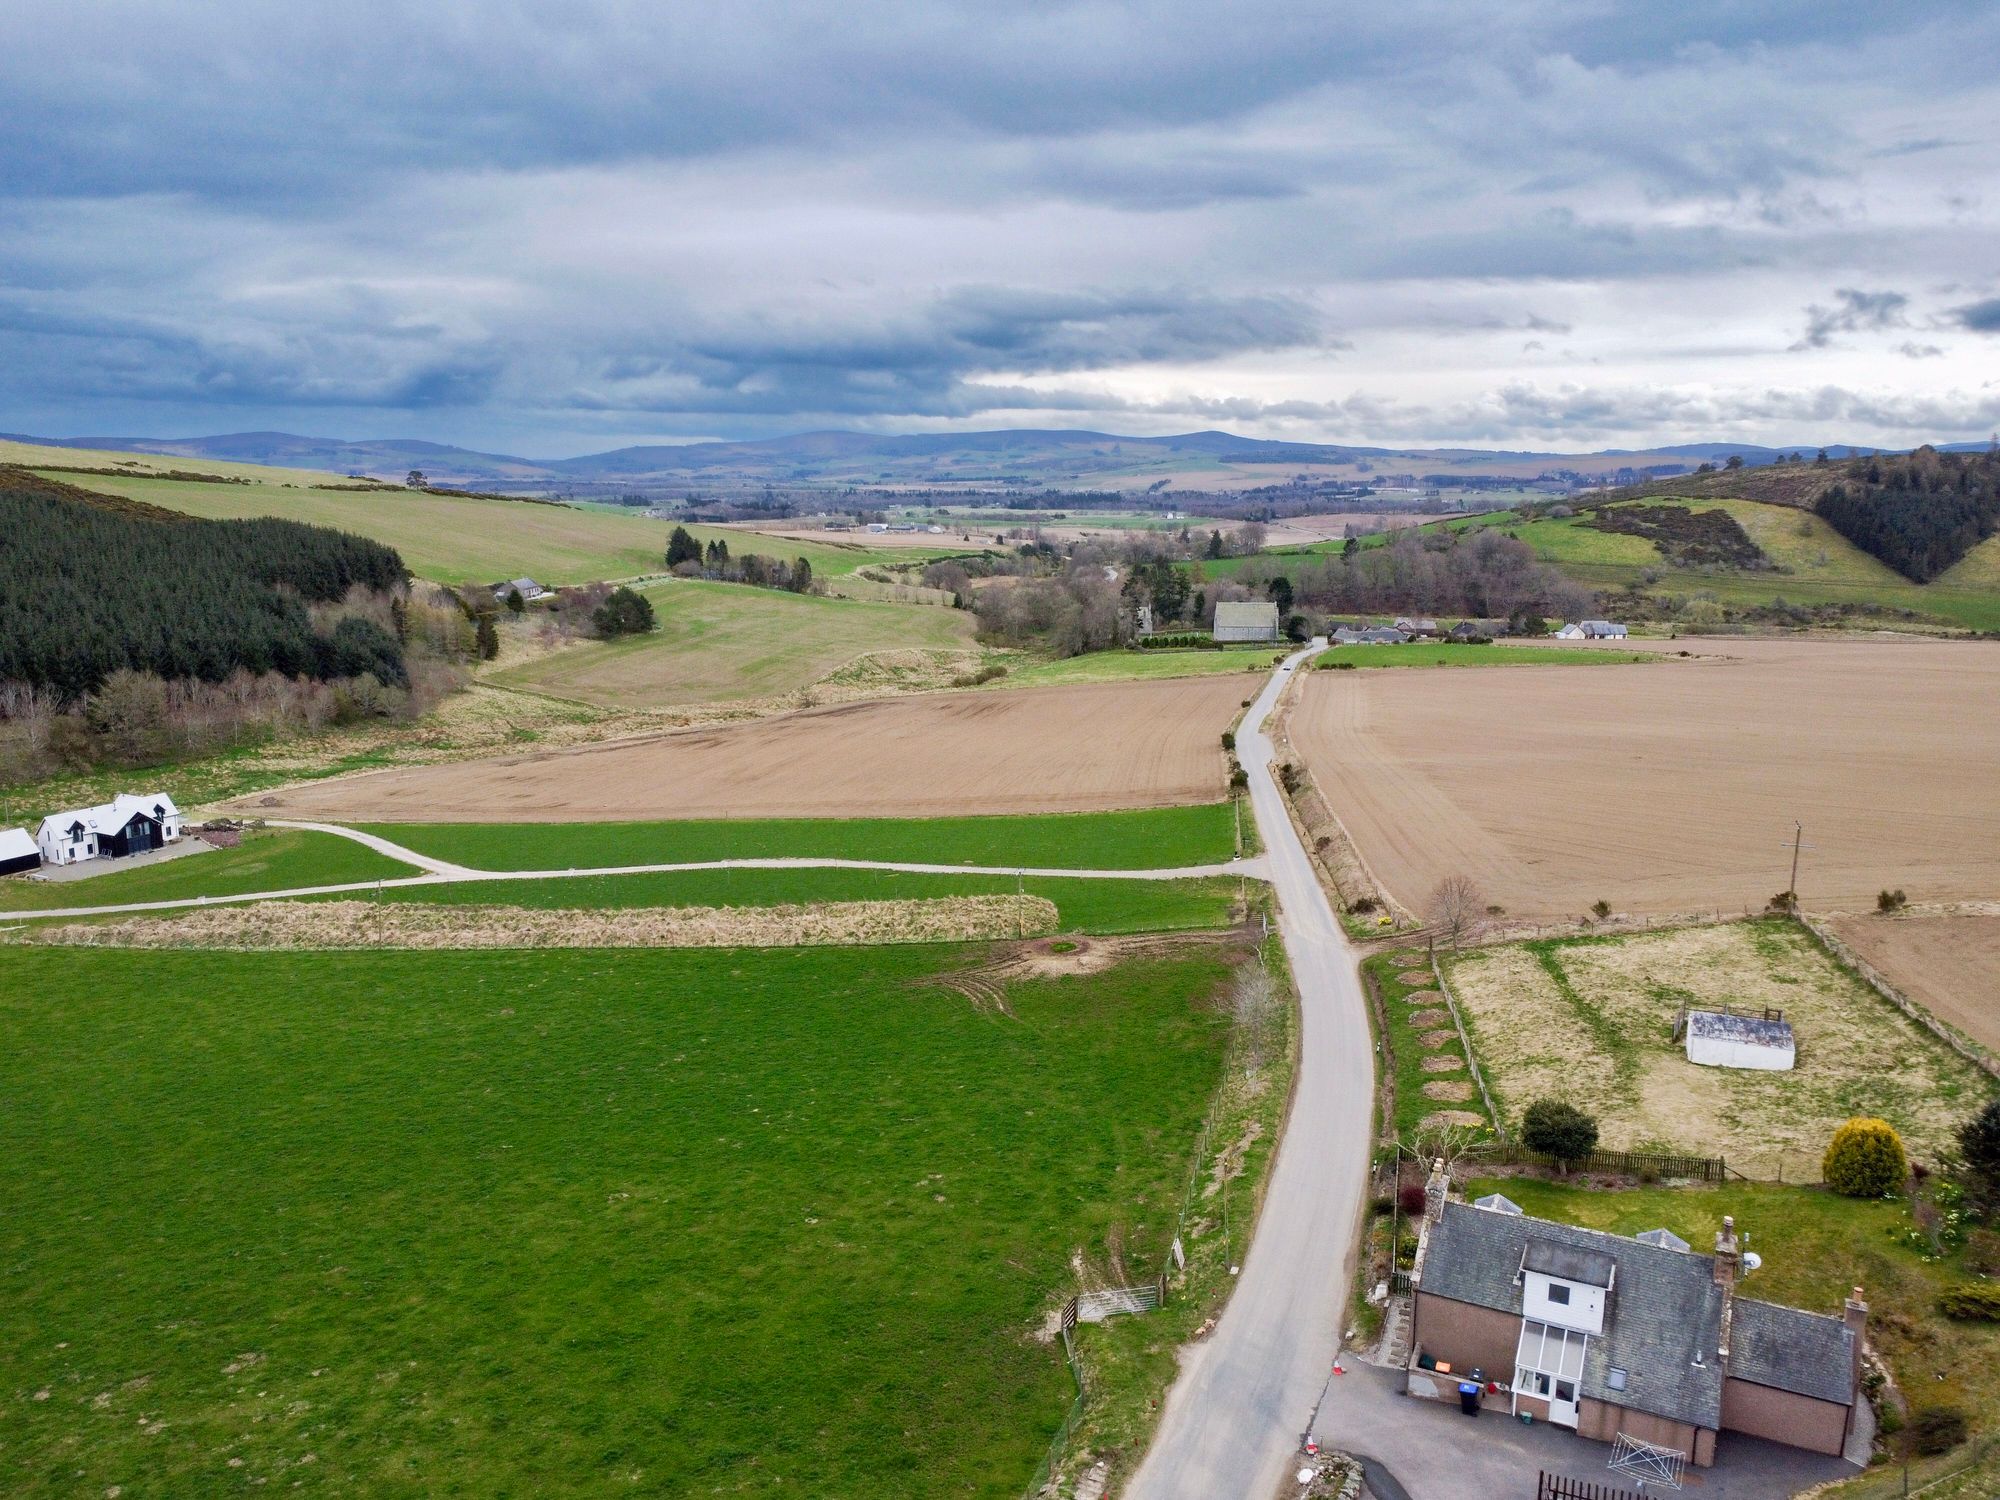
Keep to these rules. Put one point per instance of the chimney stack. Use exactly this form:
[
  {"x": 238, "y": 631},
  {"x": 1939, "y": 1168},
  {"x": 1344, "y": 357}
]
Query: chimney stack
[
  {"x": 1725, "y": 1253},
  {"x": 1725, "y": 1277},
  {"x": 1436, "y": 1191},
  {"x": 1856, "y": 1318}
]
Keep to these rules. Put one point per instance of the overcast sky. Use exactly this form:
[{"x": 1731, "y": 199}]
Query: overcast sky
[{"x": 547, "y": 228}]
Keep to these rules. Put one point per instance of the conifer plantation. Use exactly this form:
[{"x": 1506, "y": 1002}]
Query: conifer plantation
[{"x": 91, "y": 585}]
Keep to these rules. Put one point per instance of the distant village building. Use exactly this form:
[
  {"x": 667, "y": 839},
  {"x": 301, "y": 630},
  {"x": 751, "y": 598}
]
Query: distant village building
[
  {"x": 18, "y": 853},
  {"x": 1602, "y": 630},
  {"x": 1466, "y": 630},
  {"x": 1413, "y": 626},
  {"x": 527, "y": 588},
  {"x": 1717, "y": 1039},
  {"x": 1246, "y": 622},
  {"x": 1568, "y": 632},
  {"x": 127, "y": 824}
]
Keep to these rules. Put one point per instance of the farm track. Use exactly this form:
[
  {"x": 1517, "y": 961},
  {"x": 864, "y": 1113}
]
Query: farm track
[{"x": 439, "y": 872}]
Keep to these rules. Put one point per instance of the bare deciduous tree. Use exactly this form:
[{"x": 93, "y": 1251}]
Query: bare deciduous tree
[{"x": 1455, "y": 909}]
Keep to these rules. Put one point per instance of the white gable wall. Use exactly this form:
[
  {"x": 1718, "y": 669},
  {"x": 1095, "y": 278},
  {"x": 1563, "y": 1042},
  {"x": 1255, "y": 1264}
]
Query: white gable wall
[{"x": 1584, "y": 1308}]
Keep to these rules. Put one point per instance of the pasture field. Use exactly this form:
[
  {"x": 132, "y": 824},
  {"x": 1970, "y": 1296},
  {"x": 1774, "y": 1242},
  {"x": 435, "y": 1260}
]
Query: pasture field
[
  {"x": 1498, "y": 654},
  {"x": 1672, "y": 789},
  {"x": 560, "y": 1223},
  {"x": 934, "y": 755},
  {"x": 1591, "y": 1020},
  {"x": 1815, "y": 1246},
  {"x": 449, "y": 538},
  {"x": 1089, "y": 906},
  {"x": 1949, "y": 963},
  {"x": 1143, "y": 666},
  {"x": 275, "y": 859},
  {"x": 721, "y": 641},
  {"x": 1817, "y": 565},
  {"x": 1134, "y": 839}
]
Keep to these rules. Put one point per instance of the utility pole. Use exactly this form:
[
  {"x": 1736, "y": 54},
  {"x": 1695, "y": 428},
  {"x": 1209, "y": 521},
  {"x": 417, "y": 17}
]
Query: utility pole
[{"x": 1798, "y": 840}]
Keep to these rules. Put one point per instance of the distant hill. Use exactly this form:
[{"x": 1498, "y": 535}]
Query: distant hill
[{"x": 1009, "y": 458}]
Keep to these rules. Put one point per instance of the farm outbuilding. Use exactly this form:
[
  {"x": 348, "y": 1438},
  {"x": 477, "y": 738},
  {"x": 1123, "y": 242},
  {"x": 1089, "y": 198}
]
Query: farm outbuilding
[
  {"x": 1246, "y": 622},
  {"x": 1716, "y": 1039},
  {"x": 18, "y": 853},
  {"x": 1602, "y": 630}
]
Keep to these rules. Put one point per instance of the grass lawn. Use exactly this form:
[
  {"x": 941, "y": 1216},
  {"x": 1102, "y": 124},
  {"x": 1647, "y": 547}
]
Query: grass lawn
[
  {"x": 1097, "y": 906},
  {"x": 1444, "y": 654},
  {"x": 1144, "y": 838},
  {"x": 1591, "y": 1020},
  {"x": 565, "y": 1223},
  {"x": 720, "y": 641},
  {"x": 1815, "y": 1247},
  {"x": 267, "y": 860},
  {"x": 1418, "y": 1031},
  {"x": 1131, "y": 666}
]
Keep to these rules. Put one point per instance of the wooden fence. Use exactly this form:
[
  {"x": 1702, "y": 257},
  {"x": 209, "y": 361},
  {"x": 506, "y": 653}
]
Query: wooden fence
[{"x": 1623, "y": 1163}]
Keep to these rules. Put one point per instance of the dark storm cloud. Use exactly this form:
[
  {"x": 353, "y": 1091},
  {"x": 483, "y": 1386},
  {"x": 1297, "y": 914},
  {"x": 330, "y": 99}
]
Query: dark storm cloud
[
  {"x": 1980, "y": 317},
  {"x": 1853, "y": 312}
]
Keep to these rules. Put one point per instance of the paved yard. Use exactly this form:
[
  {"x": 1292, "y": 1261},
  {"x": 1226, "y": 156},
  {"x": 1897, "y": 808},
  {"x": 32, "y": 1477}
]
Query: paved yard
[
  {"x": 1435, "y": 1452},
  {"x": 85, "y": 869}
]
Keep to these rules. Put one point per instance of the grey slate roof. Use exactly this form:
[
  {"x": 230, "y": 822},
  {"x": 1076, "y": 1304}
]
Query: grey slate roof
[
  {"x": 1665, "y": 1310},
  {"x": 1246, "y": 616},
  {"x": 1792, "y": 1350},
  {"x": 1754, "y": 1030}
]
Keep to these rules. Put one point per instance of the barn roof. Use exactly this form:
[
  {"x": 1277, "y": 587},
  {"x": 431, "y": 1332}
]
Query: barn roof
[
  {"x": 1753, "y": 1031},
  {"x": 15, "y": 843},
  {"x": 1248, "y": 614}
]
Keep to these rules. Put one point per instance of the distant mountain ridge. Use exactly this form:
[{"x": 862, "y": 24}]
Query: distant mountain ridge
[{"x": 1005, "y": 457}]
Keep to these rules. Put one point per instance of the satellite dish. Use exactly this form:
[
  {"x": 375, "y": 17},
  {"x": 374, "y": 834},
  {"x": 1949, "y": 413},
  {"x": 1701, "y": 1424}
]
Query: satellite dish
[{"x": 1751, "y": 1261}]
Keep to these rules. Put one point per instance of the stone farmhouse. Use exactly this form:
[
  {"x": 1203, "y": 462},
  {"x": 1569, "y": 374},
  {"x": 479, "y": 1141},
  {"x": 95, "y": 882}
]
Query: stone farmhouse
[{"x": 1610, "y": 1336}]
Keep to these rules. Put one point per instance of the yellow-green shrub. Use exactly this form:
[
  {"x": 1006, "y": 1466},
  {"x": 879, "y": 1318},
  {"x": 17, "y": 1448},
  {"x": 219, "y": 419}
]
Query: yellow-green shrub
[{"x": 1865, "y": 1159}]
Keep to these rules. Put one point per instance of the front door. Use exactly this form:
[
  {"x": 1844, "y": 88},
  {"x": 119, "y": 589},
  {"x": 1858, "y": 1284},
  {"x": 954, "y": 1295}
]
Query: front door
[{"x": 1562, "y": 1404}]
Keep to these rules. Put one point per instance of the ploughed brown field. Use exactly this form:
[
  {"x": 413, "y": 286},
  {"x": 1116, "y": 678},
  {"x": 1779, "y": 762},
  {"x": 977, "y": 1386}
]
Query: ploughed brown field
[
  {"x": 1948, "y": 964},
  {"x": 1673, "y": 786},
  {"x": 1060, "y": 749}
]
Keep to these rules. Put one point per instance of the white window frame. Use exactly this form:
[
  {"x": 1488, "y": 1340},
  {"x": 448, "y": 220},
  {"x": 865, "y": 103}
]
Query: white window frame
[{"x": 1547, "y": 1357}]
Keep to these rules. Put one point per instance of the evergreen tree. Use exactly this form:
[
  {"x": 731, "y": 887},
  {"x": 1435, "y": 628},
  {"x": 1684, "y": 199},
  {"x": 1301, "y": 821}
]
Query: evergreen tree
[
  {"x": 488, "y": 638},
  {"x": 682, "y": 548}
]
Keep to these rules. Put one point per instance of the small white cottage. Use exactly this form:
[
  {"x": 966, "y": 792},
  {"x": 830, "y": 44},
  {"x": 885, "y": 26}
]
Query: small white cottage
[
  {"x": 130, "y": 823},
  {"x": 1716, "y": 1039}
]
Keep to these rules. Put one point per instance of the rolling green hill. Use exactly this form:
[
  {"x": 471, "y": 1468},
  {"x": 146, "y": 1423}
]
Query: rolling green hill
[
  {"x": 448, "y": 538},
  {"x": 1807, "y": 564}
]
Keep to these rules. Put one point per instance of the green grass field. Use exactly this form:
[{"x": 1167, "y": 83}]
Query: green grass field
[
  {"x": 568, "y": 1223},
  {"x": 1144, "y": 838},
  {"x": 1135, "y": 666},
  {"x": 1440, "y": 654},
  {"x": 1820, "y": 566},
  {"x": 1404, "y": 1046},
  {"x": 443, "y": 537},
  {"x": 275, "y": 859},
  {"x": 1094, "y": 906},
  {"x": 721, "y": 641}
]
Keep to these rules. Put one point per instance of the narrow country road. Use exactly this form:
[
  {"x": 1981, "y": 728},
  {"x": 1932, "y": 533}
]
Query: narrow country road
[{"x": 1236, "y": 1413}]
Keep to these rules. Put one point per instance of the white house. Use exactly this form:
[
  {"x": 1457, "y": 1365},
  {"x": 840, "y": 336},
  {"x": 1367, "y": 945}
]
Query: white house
[
  {"x": 1602, "y": 630},
  {"x": 1716, "y": 1039},
  {"x": 1568, "y": 632},
  {"x": 18, "y": 853},
  {"x": 128, "y": 824}
]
